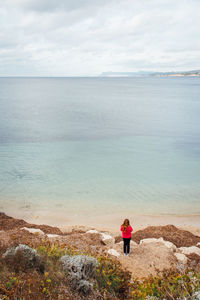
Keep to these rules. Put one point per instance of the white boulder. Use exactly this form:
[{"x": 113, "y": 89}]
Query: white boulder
[
  {"x": 190, "y": 250},
  {"x": 160, "y": 240},
  {"x": 107, "y": 239},
  {"x": 92, "y": 231},
  {"x": 113, "y": 252},
  {"x": 133, "y": 243},
  {"x": 33, "y": 230},
  {"x": 181, "y": 258},
  {"x": 52, "y": 235},
  {"x": 170, "y": 245}
]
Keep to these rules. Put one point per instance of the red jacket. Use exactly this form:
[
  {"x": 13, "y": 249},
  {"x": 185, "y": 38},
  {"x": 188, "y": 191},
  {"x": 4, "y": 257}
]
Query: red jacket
[{"x": 127, "y": 234}]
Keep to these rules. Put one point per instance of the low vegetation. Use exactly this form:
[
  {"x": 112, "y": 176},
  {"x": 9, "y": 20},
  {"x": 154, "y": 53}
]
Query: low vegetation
[
  {"x": 110, "y": 280},
  {"x": 183, "y": 285}
]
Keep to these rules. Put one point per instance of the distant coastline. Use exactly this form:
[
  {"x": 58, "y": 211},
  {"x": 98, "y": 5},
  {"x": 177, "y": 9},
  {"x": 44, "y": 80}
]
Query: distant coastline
[{"x": 193, "y": 73}]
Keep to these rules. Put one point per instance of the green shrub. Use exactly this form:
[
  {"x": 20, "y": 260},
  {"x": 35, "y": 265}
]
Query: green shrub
[
  {"x": 169, "y": 286},
  {"x": 111, "y": 278}
]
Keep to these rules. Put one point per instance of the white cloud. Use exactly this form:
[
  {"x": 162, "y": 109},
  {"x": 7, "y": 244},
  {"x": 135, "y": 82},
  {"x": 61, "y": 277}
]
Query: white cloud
[{"x": 87, "y": 37}]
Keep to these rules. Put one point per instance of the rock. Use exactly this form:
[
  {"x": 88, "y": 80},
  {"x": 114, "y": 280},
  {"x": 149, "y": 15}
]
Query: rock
[
  {"x": 150, "y": 240},
  {"x": 170, "y": 245},
  {"x": 92, "y": 231},
  {"x": 181, "y": 258},
  {"x": 190, "y": 250},
  {"x": 196, "y": 295},
  {"x": 149, "y": 259},
  {"x": 179, "y": 237},
  {"x": 80, "y": 270},
  {"x": 113, "y": 252},
  {"x": 160, "y": 240},
  {"x": 23, "y": 258},
  {"x": 9, "y": 223},
  {"x": 198, "y": 244},
  {"x": 107, "y": 239},
  {"x": 53, "y": 235},
  {"x": 33, "y": 230},
  {"x": 133, "y": 243}
]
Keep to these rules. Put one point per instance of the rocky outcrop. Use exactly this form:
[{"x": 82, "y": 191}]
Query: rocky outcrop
[
  {"x": 160, "y": 240},
  {"x": 80, "y": 271},
  {"x": 154, "y": 255},
  {"x": 182, "y": 259},
  {"x": 152, "y": 249},
  {"x": 190, "y": 250},
  {"x": 9, "y": 223},
  {"x": 106, "y": 239},
  {"x": 113, "y": 252},
  {"x": 180, "y": 238},
  {"x": 148, "y": 259},
  {"x": 33, "y": 230}
]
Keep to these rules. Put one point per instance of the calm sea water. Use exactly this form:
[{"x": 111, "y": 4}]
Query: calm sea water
[{"x": 92, "y": 145}]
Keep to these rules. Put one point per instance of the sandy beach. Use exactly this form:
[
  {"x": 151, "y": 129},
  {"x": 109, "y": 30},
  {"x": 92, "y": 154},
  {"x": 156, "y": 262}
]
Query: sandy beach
[{"x": 108, "y": 221}]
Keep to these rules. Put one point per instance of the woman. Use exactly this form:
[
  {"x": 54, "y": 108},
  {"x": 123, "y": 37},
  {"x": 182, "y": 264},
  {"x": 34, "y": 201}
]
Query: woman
[{"x": 126, "y": 234}]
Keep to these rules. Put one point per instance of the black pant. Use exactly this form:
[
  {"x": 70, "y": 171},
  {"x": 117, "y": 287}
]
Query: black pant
[{"x": 126, "y": 245}]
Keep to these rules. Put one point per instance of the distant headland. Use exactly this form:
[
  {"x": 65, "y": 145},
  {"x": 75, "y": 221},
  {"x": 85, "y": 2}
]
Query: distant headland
[{"x": 193, "y": 73}]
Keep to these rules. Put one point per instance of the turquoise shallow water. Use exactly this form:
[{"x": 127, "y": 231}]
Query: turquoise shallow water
[{"x": 91, "y": 145}]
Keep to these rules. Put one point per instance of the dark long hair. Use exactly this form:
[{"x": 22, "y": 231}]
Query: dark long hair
[{"x": 125, "y": 224}]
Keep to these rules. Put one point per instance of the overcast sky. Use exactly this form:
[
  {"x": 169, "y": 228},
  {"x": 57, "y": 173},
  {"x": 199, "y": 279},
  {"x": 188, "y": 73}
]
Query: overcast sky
[{"x": 87, "y": 37}]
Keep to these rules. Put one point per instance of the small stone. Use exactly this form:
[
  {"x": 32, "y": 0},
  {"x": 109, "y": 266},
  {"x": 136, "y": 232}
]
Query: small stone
[
  {"x": 181, "y": 258},
  {"x": 190, "y": 250},
  {"x": 113, "y": 252},
  {"x": 170, "y": 245},
  {"x": 150, "y": 240},
  {"x": 33, "y": 230},
  {"x": 52, "y": 235},
  {"x": 107, "y": 239},
  {"x": 133, "y": 243},
  {"x": 196, "y": 295},
  {"x": 92, "y": 231}
]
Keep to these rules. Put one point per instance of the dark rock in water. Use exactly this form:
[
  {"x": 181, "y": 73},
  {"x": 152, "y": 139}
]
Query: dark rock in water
[
  {"x": 80, "y": 271},
  {"x": 23, "y": 258}
]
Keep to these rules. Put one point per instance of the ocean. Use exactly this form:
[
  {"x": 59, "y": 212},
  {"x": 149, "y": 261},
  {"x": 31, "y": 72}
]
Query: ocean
[{"x": 86, "y": 146}]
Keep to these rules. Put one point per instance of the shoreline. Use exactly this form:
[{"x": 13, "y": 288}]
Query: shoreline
[{"x": 109, "y": 222}]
